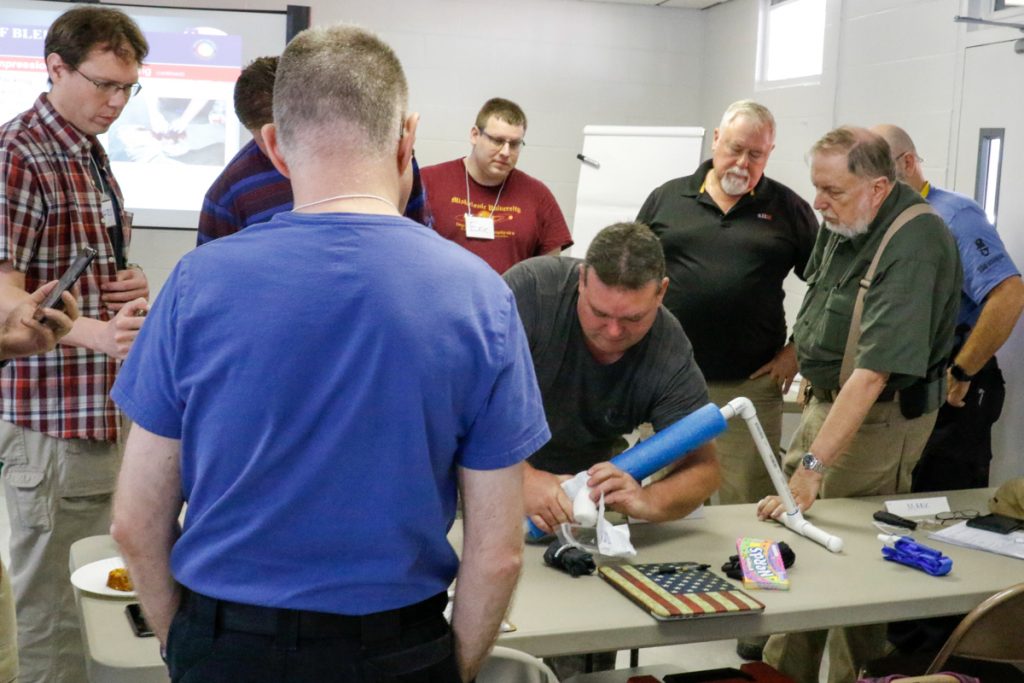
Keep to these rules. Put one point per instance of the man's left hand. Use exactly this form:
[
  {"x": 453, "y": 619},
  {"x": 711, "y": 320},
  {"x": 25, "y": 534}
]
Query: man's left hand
[
  {"x": 23, "y": 335},
  {"x": 782, "y": 367},
  {"x": 804, "y": 485},
  {"x": 622, "y": 493},
  {"x": 955, "y": 390},
  {"x": 131, "y": 284}
]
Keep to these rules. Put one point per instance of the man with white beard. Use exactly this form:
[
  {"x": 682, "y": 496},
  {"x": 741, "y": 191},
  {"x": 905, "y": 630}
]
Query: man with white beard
[
  {"x": 731, "y": 235},
  {"x": 873, "y": 396}
]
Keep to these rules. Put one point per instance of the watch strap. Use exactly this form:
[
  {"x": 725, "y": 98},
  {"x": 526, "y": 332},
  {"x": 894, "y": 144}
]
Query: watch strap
[{"x": 959, "y": 374}]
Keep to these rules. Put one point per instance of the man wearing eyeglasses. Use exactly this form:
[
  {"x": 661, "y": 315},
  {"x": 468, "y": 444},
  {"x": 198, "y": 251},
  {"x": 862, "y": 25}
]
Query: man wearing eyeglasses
[
  {"x": 872, "y": 337},
  {"x": 732, "y": 235},
  {"x": 59, "y": 431},
  {"x": 483, "y": 203},
  {"x": 960, "y": 449}
]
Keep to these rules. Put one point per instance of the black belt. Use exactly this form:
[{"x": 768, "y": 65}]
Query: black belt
[
  {"x": 829, "y": 395},
  {"x": 267, "y": 621}
]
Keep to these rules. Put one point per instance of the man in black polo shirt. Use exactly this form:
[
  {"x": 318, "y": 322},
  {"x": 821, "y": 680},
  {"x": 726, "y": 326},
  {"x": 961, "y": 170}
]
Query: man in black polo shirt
[{"x": 731, "y": 236}]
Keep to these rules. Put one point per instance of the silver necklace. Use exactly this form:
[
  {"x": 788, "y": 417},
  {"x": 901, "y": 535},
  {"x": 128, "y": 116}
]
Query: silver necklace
[
  {"x": 494, "y": 206},
  {"x": 338, "y": 197}
]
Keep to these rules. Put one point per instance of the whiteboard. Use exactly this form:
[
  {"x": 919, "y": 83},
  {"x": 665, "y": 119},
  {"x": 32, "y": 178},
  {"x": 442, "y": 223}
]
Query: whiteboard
[{"x": 631, "y": 162}]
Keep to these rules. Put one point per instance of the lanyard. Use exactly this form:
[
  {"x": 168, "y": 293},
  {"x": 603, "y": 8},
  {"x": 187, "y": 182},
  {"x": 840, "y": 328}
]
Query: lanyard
[
  {"x": 469, "y": 206},
  {"x": 113, "y": 231}
]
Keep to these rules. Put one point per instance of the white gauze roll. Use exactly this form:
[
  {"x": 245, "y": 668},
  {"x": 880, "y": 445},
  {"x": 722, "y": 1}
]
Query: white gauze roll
[{"x": 584, "y": 510}]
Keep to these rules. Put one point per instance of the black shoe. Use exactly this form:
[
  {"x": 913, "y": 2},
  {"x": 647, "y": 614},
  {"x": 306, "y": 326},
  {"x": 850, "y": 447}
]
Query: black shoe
[{"x": 752, "y": 652}]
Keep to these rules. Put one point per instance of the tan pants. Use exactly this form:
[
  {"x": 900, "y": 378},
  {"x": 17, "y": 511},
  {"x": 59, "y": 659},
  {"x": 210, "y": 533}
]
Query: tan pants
[
  {"x": 58, "y": 491},
  {"x": 8, "y": 631},
  {"x": 744, "y": 476},
  {"x": 878, "y": 461}
]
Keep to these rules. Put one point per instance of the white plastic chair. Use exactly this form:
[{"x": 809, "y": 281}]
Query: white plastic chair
[{"x": 506, "y": 665}]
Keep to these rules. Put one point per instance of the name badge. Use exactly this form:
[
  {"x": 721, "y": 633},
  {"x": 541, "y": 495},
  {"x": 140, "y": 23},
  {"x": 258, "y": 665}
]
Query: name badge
[
  {"x": 917, "y": 507},
  {"x": 107, "y": 208},
  {"x": 479, "y": 227}
]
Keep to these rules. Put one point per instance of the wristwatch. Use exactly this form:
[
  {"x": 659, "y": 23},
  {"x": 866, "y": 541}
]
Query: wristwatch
[
  {"x": 811, "y": 463},
  {"x": 959, "y": 374}
]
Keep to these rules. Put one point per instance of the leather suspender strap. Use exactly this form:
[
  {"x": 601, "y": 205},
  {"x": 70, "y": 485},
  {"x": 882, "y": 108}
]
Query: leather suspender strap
[{"x": 853, "y": 338}]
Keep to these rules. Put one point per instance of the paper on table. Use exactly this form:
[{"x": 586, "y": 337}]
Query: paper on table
[{"x": 1004, "y": 544}]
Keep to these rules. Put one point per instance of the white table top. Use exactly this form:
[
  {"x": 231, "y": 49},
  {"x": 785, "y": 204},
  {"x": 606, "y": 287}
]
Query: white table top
[{"x": 555, "y": 613}]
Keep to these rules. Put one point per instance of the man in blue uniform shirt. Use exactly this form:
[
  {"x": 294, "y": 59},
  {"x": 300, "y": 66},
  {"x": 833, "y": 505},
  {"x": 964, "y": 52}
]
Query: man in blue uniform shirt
[
  {"x": 319, "y": 434},
  {"x": 960, "y": 448}
]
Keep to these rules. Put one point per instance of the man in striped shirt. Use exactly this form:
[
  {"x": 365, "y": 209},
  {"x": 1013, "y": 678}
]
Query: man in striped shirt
[
  {"x": 60, "y": 433},
  {"x": 250, "y": 190}
]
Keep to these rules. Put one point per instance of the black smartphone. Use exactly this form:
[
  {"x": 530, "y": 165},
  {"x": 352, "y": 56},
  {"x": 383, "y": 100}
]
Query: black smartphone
[
  {"x": 139, "y": 625},
  {"x": 67, "y": 280},
  {"x": 1001, "y": 524}
]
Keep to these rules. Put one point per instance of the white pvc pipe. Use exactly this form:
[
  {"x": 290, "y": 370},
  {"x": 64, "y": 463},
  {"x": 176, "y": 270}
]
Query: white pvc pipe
[{"x": 792, "y": 518}]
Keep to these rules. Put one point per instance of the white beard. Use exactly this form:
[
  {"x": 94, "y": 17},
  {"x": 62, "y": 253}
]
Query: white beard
[
  {"x": 848, "y": 231},
  {"x": 734, "y": 182},
  {"x": 857, "y": 227}
]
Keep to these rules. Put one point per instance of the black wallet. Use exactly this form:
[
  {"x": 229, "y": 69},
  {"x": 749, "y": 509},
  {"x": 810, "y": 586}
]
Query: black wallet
[{"x": 1001, "y": 524}]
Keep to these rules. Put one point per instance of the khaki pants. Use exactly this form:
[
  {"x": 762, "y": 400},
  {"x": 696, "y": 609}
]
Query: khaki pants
[
  {"x": 8, "y": 631},
  {"x": 878, "y": 461},
  {"x": 744, "y": 476},
  {"x": 58, "y": 491}
]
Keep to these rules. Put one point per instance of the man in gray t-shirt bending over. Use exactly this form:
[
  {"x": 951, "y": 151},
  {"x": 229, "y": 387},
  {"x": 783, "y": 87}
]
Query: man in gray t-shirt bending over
[{"x": 608, "y": 357}]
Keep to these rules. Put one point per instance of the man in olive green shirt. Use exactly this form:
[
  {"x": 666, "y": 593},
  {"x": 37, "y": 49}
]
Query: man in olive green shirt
[{"x": 864, "y": 436}]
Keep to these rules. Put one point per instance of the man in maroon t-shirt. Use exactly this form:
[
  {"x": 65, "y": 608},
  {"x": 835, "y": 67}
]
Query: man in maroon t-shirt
[{"x": 482, "y": 203}]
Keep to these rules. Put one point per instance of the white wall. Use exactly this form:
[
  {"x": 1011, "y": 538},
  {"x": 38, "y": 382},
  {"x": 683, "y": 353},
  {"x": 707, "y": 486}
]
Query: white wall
[
  {"x": 887, "y": 61},
  {"x": 567, "y": 63},
  {"x": 571, "y": 64}
]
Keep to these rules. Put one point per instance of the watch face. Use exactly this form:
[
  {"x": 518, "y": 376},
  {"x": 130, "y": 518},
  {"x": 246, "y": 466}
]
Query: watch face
[{"x": 811, "y": 463}]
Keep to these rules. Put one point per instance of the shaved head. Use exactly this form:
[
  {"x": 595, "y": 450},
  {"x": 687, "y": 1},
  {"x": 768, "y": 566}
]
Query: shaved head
[{"x": 898, "y": 139}]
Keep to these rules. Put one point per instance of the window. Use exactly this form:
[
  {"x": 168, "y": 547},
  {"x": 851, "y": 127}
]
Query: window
[
  {"x": 990, "y": 164},
  {"x": 791, "y": 41}
]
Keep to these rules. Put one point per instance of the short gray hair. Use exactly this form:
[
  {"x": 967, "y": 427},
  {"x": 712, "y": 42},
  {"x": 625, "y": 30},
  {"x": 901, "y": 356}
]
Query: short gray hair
[
  {"x": 339, "y": 82},
  {"x": 750, "y": 109},
  {"x": 867, "y": 154},
  {"x": 626, "y": 255}
]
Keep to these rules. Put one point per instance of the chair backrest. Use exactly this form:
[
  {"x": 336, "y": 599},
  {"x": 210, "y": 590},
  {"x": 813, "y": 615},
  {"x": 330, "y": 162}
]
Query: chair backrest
[
  {"x": 992, "y": 631},
  {"x": 506, "y": 665}
]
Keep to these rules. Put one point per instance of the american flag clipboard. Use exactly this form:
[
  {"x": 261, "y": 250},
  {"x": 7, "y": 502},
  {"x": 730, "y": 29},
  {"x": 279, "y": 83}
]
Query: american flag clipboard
[{"x": 681, "y": 590}]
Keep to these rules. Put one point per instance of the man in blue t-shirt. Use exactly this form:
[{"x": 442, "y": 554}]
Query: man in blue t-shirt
[
  {"x": 317, "y": 388},
  {"x": 960, "y": 448}
]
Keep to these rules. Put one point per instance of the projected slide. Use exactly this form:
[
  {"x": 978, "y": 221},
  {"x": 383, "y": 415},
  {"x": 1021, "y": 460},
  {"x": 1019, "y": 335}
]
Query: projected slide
[{"x": 173, "y": 138}]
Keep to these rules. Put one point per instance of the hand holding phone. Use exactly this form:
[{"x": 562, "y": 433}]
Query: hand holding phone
[{"x": 67, "y": 280}]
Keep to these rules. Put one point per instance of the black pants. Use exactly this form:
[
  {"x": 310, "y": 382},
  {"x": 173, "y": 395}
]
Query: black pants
[
  {"x": 959, "y": 451},
  {"x": 213, "y": 641}
]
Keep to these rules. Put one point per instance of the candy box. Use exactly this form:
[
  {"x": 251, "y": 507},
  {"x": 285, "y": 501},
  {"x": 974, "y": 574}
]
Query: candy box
[{"x": 762, "y": 565}]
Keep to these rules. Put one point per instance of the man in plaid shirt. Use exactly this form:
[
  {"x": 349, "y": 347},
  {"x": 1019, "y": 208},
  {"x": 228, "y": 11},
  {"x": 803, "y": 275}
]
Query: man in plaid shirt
[{"x": 59, "y": 431}]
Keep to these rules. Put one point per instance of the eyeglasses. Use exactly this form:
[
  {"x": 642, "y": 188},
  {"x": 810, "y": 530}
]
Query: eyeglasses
[
  {"x": 108, "y": 88},
  {"x": 897, "y": 158},
  {"x": 498, "y": 143},
  {"x": 954, "y": 515}
]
